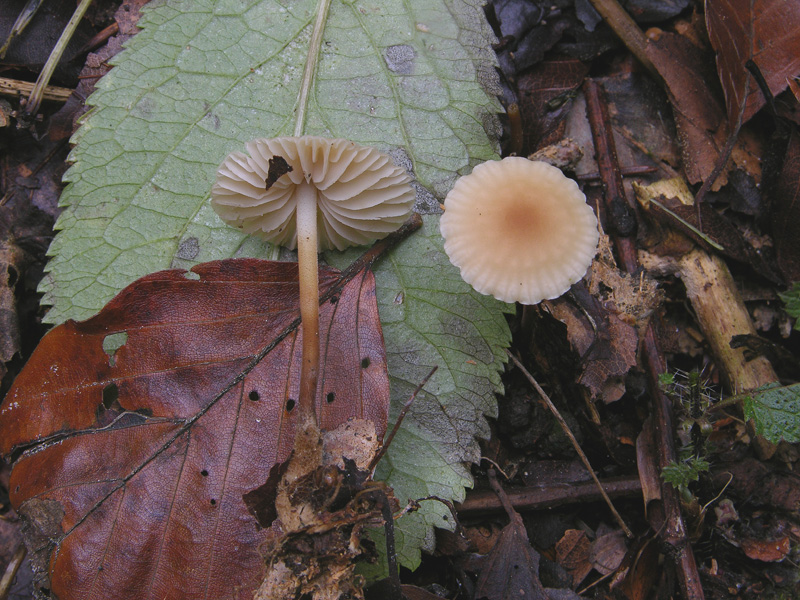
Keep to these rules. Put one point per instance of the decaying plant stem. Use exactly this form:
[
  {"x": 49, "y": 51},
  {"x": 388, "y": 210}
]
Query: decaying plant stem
[
  {"x": 543, "y": 395},
  {"x": 721, "y": 314},
  {"x": 11, "y": 570}
]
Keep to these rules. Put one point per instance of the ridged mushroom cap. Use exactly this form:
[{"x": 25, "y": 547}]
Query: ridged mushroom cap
[
  {"x": 519, "y": 230},
  {"x": 362, "y": 195}
]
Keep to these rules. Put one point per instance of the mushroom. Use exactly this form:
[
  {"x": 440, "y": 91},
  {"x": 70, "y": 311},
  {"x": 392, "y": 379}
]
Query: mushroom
[
  {"x": 519, "y": 230},
  {"x": 312, "y": 193}
]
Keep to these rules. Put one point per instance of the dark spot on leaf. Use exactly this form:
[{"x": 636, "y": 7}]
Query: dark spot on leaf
[
  {"x": 188, "y": 248},
  {"x": 330, "y": 397},
  {"x": 278, "y": 167},
  {"x": 289, "y": 405},
  {"x": 365, "y": 362},
  {"x": 334, "y": 299},
  {"x": 254, "y": 396},
  {"x": 400, "y": 59},
  {"x": 213, "y": 502},
  {"x": 204, "y": 473}
]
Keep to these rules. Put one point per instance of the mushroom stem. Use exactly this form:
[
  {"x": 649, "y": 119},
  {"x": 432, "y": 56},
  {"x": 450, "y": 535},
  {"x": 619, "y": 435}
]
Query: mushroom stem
[{"x": 308, "y": 267}]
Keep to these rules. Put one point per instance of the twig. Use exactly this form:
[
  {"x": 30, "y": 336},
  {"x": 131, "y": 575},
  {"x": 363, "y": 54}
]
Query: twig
[
  {"x": 572, "y": 439},
  {"x": 484, "y": 502},
  {"x": 11, "y": 570},
  {"x": 35, "y": 99},
  {"x": 627, "y": 30},
  {"x": 385, "y": 446},
  {"x": 620, "y": 217},
  {"x": 670, "y": 524}
]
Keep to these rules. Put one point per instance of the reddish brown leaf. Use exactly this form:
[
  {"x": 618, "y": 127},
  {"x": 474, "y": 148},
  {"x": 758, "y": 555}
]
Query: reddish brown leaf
[
  {"x": 774, "y": 46},
  {"x": 786, "y": 211},
  {"x": 546, "y": 93},
  {"x": 766, "y": 550},
  {"x": 149, "y": 448},
  {"x": 699, "y": 117},
  {"x": 572, "y": 553}
]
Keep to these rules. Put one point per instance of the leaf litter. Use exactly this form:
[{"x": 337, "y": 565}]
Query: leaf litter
[
  {"x": 166, "y": 444},
  {"x": 755, "y": 481}
]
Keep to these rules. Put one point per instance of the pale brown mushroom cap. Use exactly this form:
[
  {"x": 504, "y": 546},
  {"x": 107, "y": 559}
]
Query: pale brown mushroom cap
[
  {"x": 519, "y": 230},
  {"x": 362, "y": 195}
]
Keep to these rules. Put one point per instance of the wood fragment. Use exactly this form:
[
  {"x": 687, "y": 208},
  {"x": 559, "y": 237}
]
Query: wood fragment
[
  {"x": 484, "y": 502},
  {"x": 16, "y": 88}
]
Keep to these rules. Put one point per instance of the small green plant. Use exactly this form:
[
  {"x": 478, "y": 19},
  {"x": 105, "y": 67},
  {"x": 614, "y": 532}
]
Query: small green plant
[
  {"x": 694, "y": 399},
  {"x": 679, "y": 474}
]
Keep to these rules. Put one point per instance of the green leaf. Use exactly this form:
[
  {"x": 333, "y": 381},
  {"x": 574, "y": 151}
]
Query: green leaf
[
  {"x": 431, "y": 317},
  {"x": 792, "y": 300},
  {"x": 204, "y": 77},
  {"x": 681, "y": 474},
  {"x": 776, "y": 412}
]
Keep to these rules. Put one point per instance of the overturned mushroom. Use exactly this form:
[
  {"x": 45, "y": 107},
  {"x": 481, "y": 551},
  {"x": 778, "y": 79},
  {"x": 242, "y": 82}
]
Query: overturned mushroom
[
  {"x": 312, "y": 193},
  {"x": 519, "y": 230}
]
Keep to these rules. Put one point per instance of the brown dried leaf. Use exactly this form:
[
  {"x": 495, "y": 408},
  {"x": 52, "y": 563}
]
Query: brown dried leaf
[
  {"x": 699, "y": 117},
  {"x": 608, "y": 551},
  {"x": 717, "y": 228},
  {"x": 546, "y": 93},
  {"x": 607, "y": 351},
  {"x": 11, "y": 262},
  {"x": 766, "y": 550},
  {"x": 572, "y": 553},
  {"x": 766, "y": 31},
  {"x": 145, "y": 447},
  {"x": 646, "y": 459},
  {"x": 511, "y": 570}
]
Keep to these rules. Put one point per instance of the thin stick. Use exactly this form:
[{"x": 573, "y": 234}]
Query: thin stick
[
  {"x": 11, "y": 570},
  {"x": 385, "y": 446},
  {"x": 572, "y": 439},
  {"x": 14, "y": 88},
  {"x": 35, "y": 99}
]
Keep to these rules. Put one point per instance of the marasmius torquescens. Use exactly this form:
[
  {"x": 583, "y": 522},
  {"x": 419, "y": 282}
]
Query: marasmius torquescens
[
  {"x": 519, "y": 230},
  {"x": 312, "y": 193}
]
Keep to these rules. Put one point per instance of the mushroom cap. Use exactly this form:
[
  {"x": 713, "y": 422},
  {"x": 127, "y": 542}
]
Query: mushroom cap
[
  {"x": 362, "y": 195},
  {"x": 519, "y": 230}
]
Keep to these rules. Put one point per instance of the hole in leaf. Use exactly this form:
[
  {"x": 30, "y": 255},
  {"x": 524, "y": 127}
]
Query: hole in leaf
[
  {"x": 254, "y": 396},
  {"x": 289, "y": 405},
  {"x": 112, "y": 343},
  {"x": 204, "y": 473},
  {"x": 330, "y": 397},
  {"x": 12, "y": 275},
  {"x": 191, "y": 275},
  {"x": 365, "y": 362},
  {"x": 110, "y": 395}
]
